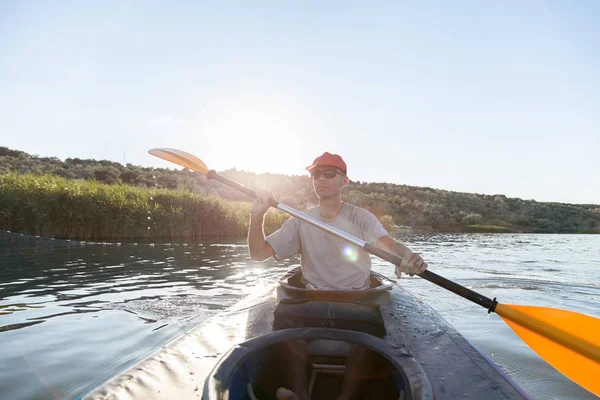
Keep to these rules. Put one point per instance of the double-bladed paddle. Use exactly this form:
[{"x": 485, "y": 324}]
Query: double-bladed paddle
[{"x": 567, "y": 340}]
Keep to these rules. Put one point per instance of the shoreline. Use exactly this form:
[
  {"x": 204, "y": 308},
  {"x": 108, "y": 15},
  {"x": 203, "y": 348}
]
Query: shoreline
[
  {"x": 11, "y": 235},
  {"x": 86, "y": 210}
]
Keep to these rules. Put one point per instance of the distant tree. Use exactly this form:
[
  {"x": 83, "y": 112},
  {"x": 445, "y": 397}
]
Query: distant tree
[
  {"x": 388, "y": 222},
  {"x": 472, "y": 219},
  {"x": 106, "y": 175},
  {"x": 5, "y": 151},
  {"x": 128, "y": 176},
  {"x": 167, "y": 181},
  {"x": 74, "y": 161}
]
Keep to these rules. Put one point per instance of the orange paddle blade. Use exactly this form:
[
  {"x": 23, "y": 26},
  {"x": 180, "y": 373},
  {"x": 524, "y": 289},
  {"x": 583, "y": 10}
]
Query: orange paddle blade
[
  {"x": 568, "y": 341},
  {"x": 182, "y": 158}
]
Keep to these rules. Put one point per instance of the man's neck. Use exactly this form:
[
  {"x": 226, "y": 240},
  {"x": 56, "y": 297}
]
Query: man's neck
[{"x": 330, "y": 208}]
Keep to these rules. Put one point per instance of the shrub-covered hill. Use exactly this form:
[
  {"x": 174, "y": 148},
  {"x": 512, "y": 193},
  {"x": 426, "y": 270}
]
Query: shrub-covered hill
[{"x": 423, "y": 209}]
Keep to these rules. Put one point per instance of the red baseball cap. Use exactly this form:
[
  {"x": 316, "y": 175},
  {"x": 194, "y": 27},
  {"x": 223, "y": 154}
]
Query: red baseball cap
[{"x": 332, "y": 160}]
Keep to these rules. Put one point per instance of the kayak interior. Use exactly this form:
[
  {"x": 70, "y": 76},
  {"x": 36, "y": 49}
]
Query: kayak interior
[{"x": 256, "y": 368}]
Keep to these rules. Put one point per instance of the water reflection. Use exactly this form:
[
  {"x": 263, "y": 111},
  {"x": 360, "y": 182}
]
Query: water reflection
[
  {"x": 97, "y": 308},
  {"x": 45, "y": 279}
]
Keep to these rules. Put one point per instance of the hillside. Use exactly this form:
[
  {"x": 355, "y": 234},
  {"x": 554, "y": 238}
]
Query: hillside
[{"x": 421, "y": 208}]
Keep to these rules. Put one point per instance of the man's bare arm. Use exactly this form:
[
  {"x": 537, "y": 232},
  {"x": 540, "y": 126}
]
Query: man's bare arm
[{"x": 259, "y": 248}]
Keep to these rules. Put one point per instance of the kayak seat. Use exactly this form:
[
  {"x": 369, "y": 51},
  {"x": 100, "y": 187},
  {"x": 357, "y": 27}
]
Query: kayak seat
[
  {"x": 297, "y": 281},
  {"x": 326, "y": 313},
  {"x": 292, "y": 285}
]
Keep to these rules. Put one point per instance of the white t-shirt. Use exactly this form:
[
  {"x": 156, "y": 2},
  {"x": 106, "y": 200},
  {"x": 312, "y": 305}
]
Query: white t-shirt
[{"x": 328, "y": 262}]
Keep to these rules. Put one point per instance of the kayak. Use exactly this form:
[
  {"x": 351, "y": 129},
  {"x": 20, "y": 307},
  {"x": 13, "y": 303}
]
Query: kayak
[
  {"x": 563, "y": 338},
  {"x": 238, "y": 354}
]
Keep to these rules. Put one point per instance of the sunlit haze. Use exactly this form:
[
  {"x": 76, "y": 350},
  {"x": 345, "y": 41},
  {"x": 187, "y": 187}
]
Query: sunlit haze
[{"x": 483, "y": 97}]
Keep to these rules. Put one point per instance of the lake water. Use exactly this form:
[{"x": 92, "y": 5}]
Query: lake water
[{"x": 74, "y": 314}]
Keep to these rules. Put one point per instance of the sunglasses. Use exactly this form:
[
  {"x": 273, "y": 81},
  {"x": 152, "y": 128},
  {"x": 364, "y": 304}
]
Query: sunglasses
[{"x": 330, "y": 173}]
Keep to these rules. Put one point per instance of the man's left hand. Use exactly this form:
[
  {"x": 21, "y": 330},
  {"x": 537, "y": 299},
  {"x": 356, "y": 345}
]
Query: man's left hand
[{"x": 412, "y": 264}]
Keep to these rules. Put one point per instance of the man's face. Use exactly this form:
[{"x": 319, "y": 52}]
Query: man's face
[{"x": 328, "y": 181}]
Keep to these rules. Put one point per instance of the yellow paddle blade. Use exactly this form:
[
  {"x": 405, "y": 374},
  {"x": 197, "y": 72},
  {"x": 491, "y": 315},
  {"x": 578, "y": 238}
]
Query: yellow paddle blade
[
  {"x": 182, "y": 158},
  {"x": 568, "y": 341}
]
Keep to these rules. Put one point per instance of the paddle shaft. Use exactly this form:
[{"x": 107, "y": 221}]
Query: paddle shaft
[{"x": 468, "y": 294}]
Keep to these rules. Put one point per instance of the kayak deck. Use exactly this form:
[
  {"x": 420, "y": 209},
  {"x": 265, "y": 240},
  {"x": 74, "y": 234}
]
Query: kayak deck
[{"x": 453, "y": 367}]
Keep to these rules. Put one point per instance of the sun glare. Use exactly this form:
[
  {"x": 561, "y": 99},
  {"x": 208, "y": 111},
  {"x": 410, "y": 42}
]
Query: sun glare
[
  {"x": 351, "y": 253},
  {"x": 257, "y": 139}
]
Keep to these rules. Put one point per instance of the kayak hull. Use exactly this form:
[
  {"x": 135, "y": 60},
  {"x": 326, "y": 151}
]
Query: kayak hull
[{"x": 448, "y": 366}]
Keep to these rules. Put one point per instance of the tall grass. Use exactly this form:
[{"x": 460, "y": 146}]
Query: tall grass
[{"x": 52, "y": 206}]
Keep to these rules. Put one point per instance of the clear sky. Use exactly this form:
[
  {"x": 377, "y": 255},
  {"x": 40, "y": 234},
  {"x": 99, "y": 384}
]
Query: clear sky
[{"x": 485, "y": 97}]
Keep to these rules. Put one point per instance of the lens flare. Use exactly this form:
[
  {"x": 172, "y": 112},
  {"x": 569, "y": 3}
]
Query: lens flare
[{"x": 351, "y": 253}]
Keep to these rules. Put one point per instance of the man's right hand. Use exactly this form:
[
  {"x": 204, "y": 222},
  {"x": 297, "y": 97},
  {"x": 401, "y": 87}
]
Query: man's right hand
[{"x": 260, "y": 205}]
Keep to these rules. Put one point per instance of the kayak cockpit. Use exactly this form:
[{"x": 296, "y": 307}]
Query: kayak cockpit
[{"x": 256, "y": 368}]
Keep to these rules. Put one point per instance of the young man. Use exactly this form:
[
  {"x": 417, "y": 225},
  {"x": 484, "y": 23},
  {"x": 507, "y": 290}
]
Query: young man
[{"x": 327, "y": 262}]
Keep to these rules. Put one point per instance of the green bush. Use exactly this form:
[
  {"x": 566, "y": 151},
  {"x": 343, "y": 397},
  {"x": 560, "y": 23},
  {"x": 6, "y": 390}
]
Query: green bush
[{"x": 52, "y": 206}]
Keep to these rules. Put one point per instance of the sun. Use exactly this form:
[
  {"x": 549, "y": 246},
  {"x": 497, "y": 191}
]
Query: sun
[{"x": 257, "y": 139}]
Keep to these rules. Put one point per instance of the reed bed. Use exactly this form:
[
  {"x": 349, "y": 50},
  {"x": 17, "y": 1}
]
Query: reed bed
[{"x": 52, "y": 206}]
